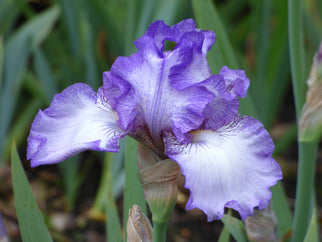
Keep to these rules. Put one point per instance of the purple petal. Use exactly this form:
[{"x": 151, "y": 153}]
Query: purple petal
[
  {"x": 76, "y": 120},
  {"x": 158, "y": 32},
  {"x": 231, "y": 167},
  {"x": 236, "y": 81},
  {"x": 220, "y": 112},
  {"x": 223, "y": 108},
  {"x": 162, "y": 91}
]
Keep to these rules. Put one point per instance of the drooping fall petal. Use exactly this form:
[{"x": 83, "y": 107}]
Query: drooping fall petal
[
  {"x": 231, "y": 167},
  {"x": 76, "y": 120}
]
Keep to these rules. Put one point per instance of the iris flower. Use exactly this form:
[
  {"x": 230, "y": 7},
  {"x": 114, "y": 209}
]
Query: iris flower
[{"x": 171, "y": 103}]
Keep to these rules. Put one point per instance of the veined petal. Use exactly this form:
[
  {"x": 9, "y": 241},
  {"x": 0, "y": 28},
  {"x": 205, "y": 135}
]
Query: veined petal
[
  {"x": 76, "y": 120},
  {"x": 231, "y": 167},
  {"x": 149, "y": 89},
  {"x": 220, "y": 112},
  {"x": 224, "y": 108},
  {"x": 236, "y": 81}
]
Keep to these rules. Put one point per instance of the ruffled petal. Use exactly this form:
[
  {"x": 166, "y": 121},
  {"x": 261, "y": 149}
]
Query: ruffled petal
[
  {"x": 149, "y": 87},
  {"x": 223, "y": 108},
  {"x": 76, "y": 120},
  {"x": 231, "y": 167},
  {"x": 236, "y": 81},
  {"x": 220, "y": 112}
]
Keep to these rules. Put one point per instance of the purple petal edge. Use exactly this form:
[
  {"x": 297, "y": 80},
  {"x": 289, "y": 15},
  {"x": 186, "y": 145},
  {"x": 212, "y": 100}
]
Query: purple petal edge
[{"x": 78, "y": 119}]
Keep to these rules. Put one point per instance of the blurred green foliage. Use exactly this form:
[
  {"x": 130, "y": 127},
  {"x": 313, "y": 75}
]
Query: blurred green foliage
[{"x": 47, "y": 45}]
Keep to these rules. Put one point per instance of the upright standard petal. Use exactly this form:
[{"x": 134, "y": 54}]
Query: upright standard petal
[
  {"x": 236, "y": 81},
  {"x": 223, "y": 108},
  {"x": 78, "y": 119},
  {"x": 148, "y": 88},
  {"x": 231, "y": 167}
]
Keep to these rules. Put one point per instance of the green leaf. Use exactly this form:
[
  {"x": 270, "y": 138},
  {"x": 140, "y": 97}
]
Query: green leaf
[
  {"x": 167, "y": 10},
  {"x": 71, "y": 177},
  {"x": 282, "y": 210},
  {"x": 8, "y": 13},
  {"x": 222, "y": 52},
  {"x": 45, "y": 75},
  {"x": 224, "y": 235},
  {"x": 304, "y": 189},
  {"x": 277, "y": 71},
  {"x": 89, "y": 53},
  {"x": 286, "y": 140},
  {"x": 112, "y": 179},
  {"x": 1, "y": 59},
  {"x": 31, "y": 221},
  {"x": 312, "y": 234},
  {"x": 208, "y": 18},
  {"x": 263, "y": 16},
  {"x": 235, "y": 227},
  {"x": 145, "y": 16},
  {"x": 16, "y": 53},
  {"x": 297, "y": 53},
  {"x": 21, "y": 125},
  {"x": 132, "y": 7},
  {"x": 71, "y": 17},
  {"x": 133, "y": 192},
  {"x": 113, "y": 226}
]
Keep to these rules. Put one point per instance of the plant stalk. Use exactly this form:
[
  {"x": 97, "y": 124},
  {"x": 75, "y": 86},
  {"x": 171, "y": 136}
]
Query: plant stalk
[
  {"x": 159, "y": 231},
  {"x": 307, "y": 150},
  {"x": 304, "y": 189}
]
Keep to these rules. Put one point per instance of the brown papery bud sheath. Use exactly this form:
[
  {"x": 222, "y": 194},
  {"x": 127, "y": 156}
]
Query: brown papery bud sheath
[
  {"x": 262, "y": 226},
  {"x": 138, "y": 226},
  {"x": 310, "y": 126}
]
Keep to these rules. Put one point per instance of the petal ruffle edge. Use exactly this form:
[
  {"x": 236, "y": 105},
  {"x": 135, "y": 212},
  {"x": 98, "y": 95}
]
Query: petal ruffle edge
[
  {"x": 151, "y": 89},
  {"x": 76, "y": 120},
  {"x": 231, "y": 167}
]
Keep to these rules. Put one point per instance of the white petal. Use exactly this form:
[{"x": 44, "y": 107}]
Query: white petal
[
  {"x": 76, "y": 120},
  {"x": 231, "y": 167}
]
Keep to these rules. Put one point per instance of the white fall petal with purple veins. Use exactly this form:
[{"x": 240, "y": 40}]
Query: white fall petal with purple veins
[
  {"x": 170, "y": 101},
  {"x": 230, "y": 167},
  {"x": 76, "y": 120}
]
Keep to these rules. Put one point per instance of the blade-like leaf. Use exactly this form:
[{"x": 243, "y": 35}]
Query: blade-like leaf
[
  {"x": 71, "y": 178},
  {"x": 21, "y": 125},
  {"x": 235, "y": 227},
  {"x": 282, "y": 210},
  {"x": 71, "y": 16},
  {"x": 222, "y": 52},
  {"x": 8, "y": 13},
  {"x": 133, "y": 192},
  {"x": 145, "y": 16},
  {"x": 312, "y": 233},
  {"x": 1, "y": 60},
  {"x": 224, "y": 235},
  {"x": 208, "y": 18},
  {"x": 257, "y": 88},
  {"x": 167, "y": 10},
  {"x": 31, "y": 222},
  {"x": 113, "y": 226},
  {"x": 16, "y": 52},
  {"x": 45, "y": 74}
]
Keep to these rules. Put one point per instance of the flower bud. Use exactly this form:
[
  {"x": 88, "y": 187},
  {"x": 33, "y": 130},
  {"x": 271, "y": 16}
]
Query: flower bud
[
  {"x": 159, "y": 182},
  {"x": 262, "y": 225},
  {"x": 138, "y": 226},
  {"x": 310, "y": 125}
]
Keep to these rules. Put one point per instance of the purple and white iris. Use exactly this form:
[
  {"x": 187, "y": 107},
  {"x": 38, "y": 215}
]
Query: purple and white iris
[{"x": 170, "y": 102}]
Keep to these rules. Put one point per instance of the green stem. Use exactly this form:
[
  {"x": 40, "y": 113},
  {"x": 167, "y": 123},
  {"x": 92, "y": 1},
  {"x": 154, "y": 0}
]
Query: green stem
[
  {"x": 307, "y": 150},
  {"x": 296, "y": 45},
  {"x": 304, "y": 189},
  {"x": 159, "y": 231}
]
